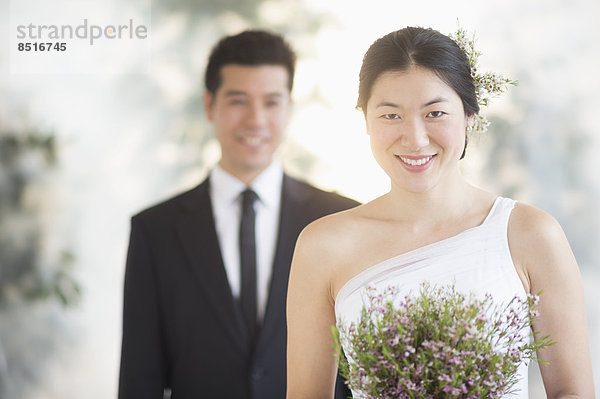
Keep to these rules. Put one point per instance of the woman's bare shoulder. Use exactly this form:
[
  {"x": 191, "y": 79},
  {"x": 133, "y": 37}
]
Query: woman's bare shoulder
[
  {"x": 531, "y": 225},
  {"x": 331, "y": 231},
  {"x": 538, "y": 246},
  {"x": 331, "y": 241}
]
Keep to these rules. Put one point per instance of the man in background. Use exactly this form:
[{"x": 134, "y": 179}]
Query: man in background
[{"x": 207, "y": 271}]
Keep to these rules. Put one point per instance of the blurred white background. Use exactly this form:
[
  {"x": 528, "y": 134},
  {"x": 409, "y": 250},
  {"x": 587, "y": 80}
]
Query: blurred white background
[{"x": 133, "y": 134}]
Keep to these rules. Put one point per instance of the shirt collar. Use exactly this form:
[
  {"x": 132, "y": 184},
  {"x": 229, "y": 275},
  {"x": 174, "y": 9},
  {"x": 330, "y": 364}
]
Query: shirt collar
[{"x": 267, "y": 185}]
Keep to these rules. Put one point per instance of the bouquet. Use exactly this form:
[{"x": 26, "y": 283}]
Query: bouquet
[{"x": 439, "y": 343}]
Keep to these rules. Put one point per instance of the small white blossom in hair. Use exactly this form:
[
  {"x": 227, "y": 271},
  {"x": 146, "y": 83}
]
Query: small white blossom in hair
[{"x": 487, "y": 85}]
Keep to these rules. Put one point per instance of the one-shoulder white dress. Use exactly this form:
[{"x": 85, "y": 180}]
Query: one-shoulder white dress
[{"x": 476, "y": 261}]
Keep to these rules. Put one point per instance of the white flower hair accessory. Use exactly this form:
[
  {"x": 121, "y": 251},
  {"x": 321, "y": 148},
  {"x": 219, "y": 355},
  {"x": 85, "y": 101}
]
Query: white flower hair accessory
[{"x": 487, "y": 85}]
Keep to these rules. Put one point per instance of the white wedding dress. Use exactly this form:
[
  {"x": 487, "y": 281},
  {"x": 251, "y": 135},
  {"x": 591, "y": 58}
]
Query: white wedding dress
[{"x": 477, "y": 260}]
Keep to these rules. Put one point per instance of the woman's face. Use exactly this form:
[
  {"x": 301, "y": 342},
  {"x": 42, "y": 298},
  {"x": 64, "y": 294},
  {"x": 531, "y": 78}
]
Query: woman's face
[{"x": 417, "y": 128}]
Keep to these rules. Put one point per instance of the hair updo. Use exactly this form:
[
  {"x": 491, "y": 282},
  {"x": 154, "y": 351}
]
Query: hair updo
[{"x": 427, "y": 48}]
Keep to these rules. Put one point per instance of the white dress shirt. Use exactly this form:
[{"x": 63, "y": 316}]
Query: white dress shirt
[{"x": 225, "y": 190}]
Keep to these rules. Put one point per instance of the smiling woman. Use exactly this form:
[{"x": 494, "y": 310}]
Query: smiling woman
[
  {"x": 416, "y": 124},
  {"x": 419, "y": 98}
]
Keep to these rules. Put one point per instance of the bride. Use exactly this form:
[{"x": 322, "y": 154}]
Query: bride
[{"x": 419, "y": 100}]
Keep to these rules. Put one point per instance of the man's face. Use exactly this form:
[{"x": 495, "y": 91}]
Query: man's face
[{"x": 249, "y": 111}]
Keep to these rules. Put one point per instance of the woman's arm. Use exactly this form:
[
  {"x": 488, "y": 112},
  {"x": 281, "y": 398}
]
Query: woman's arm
[
  {"x": 311, "y": 365},
  {"x": 539, "y": 247}
]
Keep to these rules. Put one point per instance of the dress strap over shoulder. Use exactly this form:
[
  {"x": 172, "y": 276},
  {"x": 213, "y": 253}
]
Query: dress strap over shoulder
[{"x": 500, "y": 213}]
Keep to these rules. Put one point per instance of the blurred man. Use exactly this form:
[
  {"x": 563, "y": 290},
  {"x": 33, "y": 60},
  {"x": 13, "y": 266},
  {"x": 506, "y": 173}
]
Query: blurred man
[{"x": 207, "y": 271}]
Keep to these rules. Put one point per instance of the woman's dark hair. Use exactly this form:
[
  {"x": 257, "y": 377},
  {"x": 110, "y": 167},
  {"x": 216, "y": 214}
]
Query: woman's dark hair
[
  {"x": 249, "y": 48},
  {"x": 427, "y": 48}
]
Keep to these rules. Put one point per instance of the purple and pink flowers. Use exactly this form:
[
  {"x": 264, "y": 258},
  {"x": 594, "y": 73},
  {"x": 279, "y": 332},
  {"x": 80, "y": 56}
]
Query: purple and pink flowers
[{"x": 437, "y": 343}]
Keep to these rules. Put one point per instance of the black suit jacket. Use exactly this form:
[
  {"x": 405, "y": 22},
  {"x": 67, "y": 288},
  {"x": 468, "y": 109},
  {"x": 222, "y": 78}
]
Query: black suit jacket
[{"x": 182, "y": 327}]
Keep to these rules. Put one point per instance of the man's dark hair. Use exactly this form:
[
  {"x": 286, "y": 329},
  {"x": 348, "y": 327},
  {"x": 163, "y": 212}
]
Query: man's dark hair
[{"x": 249, "y": 48}]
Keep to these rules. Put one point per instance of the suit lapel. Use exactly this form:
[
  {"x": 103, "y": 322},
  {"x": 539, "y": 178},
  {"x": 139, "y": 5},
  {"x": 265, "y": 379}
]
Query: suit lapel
[
  {"x": 197, "y": 232},
  {"x": 291, "y": 222}
]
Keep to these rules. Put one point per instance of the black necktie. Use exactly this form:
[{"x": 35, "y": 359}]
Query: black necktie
[{"x": 248, "y": 262}]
